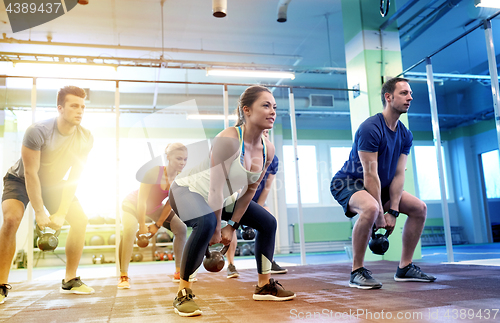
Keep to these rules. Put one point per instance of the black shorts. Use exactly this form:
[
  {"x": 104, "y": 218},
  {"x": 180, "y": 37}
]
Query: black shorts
[
  {"x": 343, "y": 188},
  {"x": 15, "y": 188}
]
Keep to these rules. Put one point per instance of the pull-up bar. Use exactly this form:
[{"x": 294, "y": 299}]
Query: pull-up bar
[{"x": 448, "y": 44}]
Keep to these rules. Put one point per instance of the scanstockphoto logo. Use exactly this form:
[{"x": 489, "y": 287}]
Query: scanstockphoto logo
[{"x": 28, "y": 14}]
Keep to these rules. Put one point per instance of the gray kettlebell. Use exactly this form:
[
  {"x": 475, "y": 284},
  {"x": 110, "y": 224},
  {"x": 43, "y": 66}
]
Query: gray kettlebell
[
  {"x": 47, "y": 241},
  {"x": 214, "y": 260},
  {"x": 379, "y": 243}
]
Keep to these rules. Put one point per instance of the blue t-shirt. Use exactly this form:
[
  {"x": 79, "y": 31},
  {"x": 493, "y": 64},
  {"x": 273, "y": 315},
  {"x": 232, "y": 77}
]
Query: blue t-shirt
[
  {"x": 373, "y": 135},
  {"x": 272, "y": 169}
]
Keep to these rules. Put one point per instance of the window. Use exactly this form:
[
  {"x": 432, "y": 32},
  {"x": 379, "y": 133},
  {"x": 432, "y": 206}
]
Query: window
[
  {"x": 491, "y": 169},
  {"x": 426, "y": 166},
  {"x": 307, "y": 171},
  {"x": 338, "y": 157}
]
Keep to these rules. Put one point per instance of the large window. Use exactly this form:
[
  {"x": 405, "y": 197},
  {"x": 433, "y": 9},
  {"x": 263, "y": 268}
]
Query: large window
[
  {"x": 307, "y": 171},
  {"x": 338, "y": 157},
  {"x": 491, "y": 169},
  {"x": 426, "y": 166}
]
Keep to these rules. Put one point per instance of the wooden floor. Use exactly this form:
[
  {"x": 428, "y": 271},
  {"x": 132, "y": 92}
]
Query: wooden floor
[{"x": 461, "y": 293}]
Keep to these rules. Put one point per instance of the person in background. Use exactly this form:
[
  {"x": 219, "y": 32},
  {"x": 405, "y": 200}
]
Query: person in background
[{"x": 148, "y": 201}]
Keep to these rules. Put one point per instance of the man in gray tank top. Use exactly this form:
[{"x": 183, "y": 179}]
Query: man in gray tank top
[{"x": 53, "y": 154}]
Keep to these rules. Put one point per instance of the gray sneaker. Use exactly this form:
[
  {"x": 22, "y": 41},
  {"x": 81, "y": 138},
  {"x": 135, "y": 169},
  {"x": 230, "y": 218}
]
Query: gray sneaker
[
  {"x": 272, "y": 291},
  {"x": 362, "y": 278},
  {"x": 184, "y": 304},
  {"x": 232, "y": 272},
  {"x": 276, "y": 269},
  {"x": 412, "y": 273}
]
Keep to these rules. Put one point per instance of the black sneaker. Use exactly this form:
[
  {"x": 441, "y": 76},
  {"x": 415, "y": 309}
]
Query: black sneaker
[
  {"x": 412, "y": 273},
  {"x": 273, "y": 291},
  {"x": 184, "y": 304},
  {"x": 362, "y": 278},
  {"x": 75, "y": 286},
  {"x": 276, "y": 269},
  {"x": 3, "y": 292}
]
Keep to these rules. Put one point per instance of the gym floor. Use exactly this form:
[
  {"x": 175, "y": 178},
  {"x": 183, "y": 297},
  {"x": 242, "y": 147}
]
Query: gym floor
[{"x": 466, "y": 290}]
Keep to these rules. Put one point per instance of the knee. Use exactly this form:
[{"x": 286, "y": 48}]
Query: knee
[
  {"x": 79, "y": 222},
  {"x": 270, "y": 225},
  {"x": 370, "y": 211},
  {"x": 11, "y": 221},
  {"x": 421, "y": 211},
  {"x": 179, "y": 229}
]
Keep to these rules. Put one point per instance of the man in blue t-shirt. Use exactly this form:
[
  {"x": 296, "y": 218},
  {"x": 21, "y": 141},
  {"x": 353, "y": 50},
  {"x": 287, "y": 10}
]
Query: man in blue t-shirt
[
  {"x": 371, "y": 183},
  {"x": 260, "y": 198}
]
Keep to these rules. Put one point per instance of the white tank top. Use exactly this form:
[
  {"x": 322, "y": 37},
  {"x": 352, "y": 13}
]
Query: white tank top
[{"x": 197, "y": 179}]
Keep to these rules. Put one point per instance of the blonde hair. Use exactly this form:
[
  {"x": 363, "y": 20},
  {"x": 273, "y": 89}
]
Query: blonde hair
[
  {"x": 174, "y": 146},
  {"x": 248, "y": 98}
]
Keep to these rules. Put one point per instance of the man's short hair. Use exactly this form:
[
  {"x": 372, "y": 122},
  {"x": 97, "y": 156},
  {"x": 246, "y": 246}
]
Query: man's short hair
[
  {"x": 389, "y": 87},
  {"x": 69, "y": 89}
]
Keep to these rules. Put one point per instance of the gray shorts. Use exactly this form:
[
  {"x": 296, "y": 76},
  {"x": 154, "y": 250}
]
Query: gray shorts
[{"x": 15, "y": 188}]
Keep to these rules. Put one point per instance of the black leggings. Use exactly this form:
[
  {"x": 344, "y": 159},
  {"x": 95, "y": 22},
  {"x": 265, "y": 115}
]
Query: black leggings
[{"x": 187, "y": 205}]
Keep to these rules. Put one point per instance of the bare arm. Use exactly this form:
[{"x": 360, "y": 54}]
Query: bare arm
[
  {"x": 31, "y": 162},
  {"x": 68, "y": 193},
  {"x": 396, "y": 191},
  {"x": 224, "y": 151},
  {"x": 372, "y": 181},
  {"x": 147, "y": 182}
]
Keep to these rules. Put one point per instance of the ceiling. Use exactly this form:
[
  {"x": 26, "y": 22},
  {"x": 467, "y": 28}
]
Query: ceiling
[{"x": 310, "y": 42}]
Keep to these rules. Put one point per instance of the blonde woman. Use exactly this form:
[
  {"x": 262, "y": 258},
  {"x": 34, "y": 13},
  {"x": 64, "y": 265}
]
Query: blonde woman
[{"x": 148, "y": 201}]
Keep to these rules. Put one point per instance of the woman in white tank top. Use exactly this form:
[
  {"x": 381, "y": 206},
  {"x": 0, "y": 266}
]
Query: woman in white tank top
[{"x": 238, "y": 160}]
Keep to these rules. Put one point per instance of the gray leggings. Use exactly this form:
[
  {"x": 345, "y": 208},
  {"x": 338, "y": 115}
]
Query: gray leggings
[{"x": 130, "y": 227}]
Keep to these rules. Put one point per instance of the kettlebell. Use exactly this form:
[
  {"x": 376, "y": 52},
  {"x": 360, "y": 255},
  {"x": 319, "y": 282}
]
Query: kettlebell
[
  {"x": 248, "y": 233},
  {"x": 47, "y": 241},
  {"x": 143, "y": 239},
  {"x": 214, "y": 260},
  {"x": 379, "y": 243}
]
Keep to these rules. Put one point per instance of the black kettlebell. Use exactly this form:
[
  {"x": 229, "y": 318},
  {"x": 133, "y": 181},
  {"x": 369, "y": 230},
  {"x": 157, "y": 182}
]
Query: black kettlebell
[
  {"x": 248, "y": 233},
  {"x": 47, "y": 241},
  {"x": 143, "y": 239},
  {"x": 214, "y": 260},
  {"x": 379, "y": 243}
]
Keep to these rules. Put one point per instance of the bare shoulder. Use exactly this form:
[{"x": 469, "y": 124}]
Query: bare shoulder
[
  {"x": 226, "y": 144},
  {"x": 230, "y": 132}
]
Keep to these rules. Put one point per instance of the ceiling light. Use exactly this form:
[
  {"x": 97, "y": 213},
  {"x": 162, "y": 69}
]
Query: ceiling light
[
  {"x": 79, "y": 70},
  {"x": 487, "y": 3},
  {"x": 210, "y": 117},
  {"x": 219, "y": 8},
  {"x": 251, "y": 73}
]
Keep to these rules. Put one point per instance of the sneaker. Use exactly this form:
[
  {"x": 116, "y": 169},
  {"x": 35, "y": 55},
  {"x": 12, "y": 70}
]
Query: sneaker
[
  {"x": 3, "y": 292},
  {"x": 124, "y": 282},
  {"x": 184, "y": 304},
  {"x": 412, "y": 273},
  {"x": 273, "y": 291},
  {"x": 232, "y": 272},
  {"x": 75, "y": 286},
  {"x": 362, "y": 278},
  {"x": 276, "y": 269}
]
